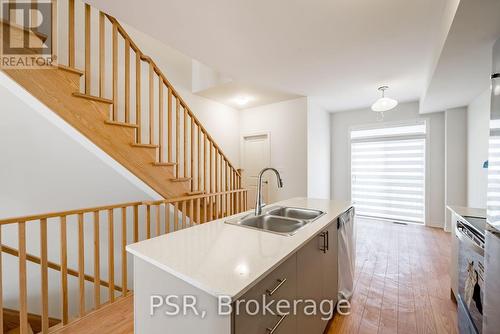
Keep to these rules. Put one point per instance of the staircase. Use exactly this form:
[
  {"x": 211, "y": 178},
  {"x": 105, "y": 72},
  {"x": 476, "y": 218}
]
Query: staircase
[
  {"x": 158, "y": 138},
  {"x": 121, "y": 101}
]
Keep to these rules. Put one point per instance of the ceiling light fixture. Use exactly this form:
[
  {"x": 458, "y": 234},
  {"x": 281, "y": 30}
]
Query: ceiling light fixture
[
  {"x": 384, "y": 103},
  {"x": 242, "y": 100}
]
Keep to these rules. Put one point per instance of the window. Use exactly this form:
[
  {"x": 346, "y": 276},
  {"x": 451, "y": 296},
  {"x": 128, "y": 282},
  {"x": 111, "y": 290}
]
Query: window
[{"x": 388, "y": 172}]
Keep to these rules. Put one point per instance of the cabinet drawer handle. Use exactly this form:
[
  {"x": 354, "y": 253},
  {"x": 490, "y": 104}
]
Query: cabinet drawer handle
[
  {"x": 324, "y": 235},
  {"x": 272, "y": 330},
  {"x": 280, "y": 283}
]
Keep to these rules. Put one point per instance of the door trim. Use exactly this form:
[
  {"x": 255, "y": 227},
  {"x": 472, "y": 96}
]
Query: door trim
[{"x": 242, "y": 143}]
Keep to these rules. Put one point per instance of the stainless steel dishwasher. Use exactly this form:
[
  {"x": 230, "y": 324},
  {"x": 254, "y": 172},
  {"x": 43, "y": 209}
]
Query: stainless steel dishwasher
[{"x": 346, "y": 254}]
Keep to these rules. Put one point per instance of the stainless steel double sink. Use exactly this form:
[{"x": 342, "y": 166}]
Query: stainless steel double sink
[{"x": 280, "y": 220}]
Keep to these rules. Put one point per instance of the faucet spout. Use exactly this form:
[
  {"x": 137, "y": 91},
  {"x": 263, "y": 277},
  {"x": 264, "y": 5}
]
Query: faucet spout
[{"x": 259, "y": 202}]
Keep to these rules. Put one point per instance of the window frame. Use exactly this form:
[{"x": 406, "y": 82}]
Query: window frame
[{"x": 426, "y": 137}]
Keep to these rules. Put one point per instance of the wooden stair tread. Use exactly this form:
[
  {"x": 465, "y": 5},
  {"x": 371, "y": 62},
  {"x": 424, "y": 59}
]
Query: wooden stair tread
[
  {"x": 18, "y": 330},
  {"x": 127, "y": 125},
  {"x": 181, "y": 179},
  {"x": 69, "y": 69},
  {"x": 117, "y": 318},
  {"x": 93, "y": 98},
  {"x": 144, "y": 145},
  {"x": 194, "y": 193},
  {"x": 168, "y": 164}
]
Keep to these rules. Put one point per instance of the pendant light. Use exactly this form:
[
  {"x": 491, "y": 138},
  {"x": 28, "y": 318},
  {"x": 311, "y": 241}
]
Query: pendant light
[{"x": 384, "y": 103}]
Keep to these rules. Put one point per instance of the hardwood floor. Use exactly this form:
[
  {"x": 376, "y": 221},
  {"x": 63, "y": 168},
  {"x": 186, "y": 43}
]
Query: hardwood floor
[
  {"x": 117, "y": 318},
  {"x": 402, "y": 281}
]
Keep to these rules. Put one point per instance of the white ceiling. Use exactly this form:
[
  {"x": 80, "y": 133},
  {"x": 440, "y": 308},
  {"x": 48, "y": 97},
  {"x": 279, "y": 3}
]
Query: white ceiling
[
  {"x": 337, "y": 51},
  {"x": 256, "y": 95},
  {"x": 464, "y": 68}
]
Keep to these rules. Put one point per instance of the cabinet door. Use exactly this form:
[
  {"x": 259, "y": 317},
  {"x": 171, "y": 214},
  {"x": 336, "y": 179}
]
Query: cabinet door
[
  {"x": 280, "y": 284},
  {"x": 330, "y": 268},
  {"x": 310, "y": 271}
]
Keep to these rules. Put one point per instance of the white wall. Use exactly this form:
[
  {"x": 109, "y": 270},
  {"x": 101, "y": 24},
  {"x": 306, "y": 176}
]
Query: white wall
[
  {"x": 478, "y": 120},
  {"x": 318, "y": 151},
  {"x": 287, "y": 124},
  {"x": 341, "y": 181},
  {"x": 47, "y": 166},
  {"x": 455, "y": 159},
  {"x": 221, "y": 121}
]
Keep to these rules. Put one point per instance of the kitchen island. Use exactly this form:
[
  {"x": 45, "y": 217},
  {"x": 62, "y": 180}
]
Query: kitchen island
[{"x": 218, "y": 264}]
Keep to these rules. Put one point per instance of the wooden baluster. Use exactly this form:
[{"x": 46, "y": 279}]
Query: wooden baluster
[
  {"x": 242, "y": 201},
  {"x": 217, "y": 189},
  {"x": 177, "y": 136},
  {"x": 23, "y": 295},
  {"x": 151, "y": 103},
  {"x": 217, "y": 212},
  {"x": 148, "y": 222},
  {"x": 191, "y": 213},
  {"x": 245, "y": 200},
  {"x": 136, "y": 223},
  {"x": 212, "y": 207},
  {"x": 184, "y": 208},
  {"x": 81, "y": 264},
  {"x": 176, "y": 216},
  {"x": 102, "y": 55},
  {"x": 185, "y": 147},
  {"x": 221, "y": 177},
  {"x": 64, "y": 271},
  {"x": 97, "y": 262},
  {"x": 198, "y": 208},
  {"x": 127, "y": 80},
  {"x": 158, "y": 227},
  {"x": 111, "y": 255},
  {"x": 226, "y": 180},
  {"x": 44, "y": 275},
  {"x": 124, "y": 252},
  {"x": 87, "y": 49},
  {"x": 115, "y": 71},
  {"x": 192, "y": 154},
  {"x": 160, "y": 118},
  {"x": 138, "y": 115},
  {"x": 237, "y": 202},
  {"x": 205, "y": 208},
  {"x": 205, "y": 160},
  {"x": 232, "y": 194},
  {"x": 167, "y": 218},
  {"x": 71, "y": 33},
  {"x": 169, "y": 125},
  {"x": 200, "y": 187}
]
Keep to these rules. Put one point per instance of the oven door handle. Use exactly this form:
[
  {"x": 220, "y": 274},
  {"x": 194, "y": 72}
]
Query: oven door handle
[{"x": 464, "y": 238}]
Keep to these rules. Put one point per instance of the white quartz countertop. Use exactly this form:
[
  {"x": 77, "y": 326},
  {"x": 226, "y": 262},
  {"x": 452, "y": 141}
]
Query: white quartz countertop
[
  {"x": 227, "y": 260},
  {"x": 464, "y": 211}
]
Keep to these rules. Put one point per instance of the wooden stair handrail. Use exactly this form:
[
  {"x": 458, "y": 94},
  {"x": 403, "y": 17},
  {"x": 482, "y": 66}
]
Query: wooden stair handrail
[{"x": 36, "y": 217}]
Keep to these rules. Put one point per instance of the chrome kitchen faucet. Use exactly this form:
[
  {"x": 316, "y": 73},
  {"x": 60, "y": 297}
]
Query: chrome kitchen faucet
[{"x": 259, "y": 203}]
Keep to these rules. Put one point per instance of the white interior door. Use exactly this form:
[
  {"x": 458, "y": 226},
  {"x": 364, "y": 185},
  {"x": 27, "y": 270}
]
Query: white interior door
[{"x": 255, "y": 157}]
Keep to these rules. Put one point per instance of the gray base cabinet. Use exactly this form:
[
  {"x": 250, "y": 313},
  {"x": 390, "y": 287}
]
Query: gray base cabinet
[
  {"x": 318, "y": 277},
  {"x": 310, "y": 273}
]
